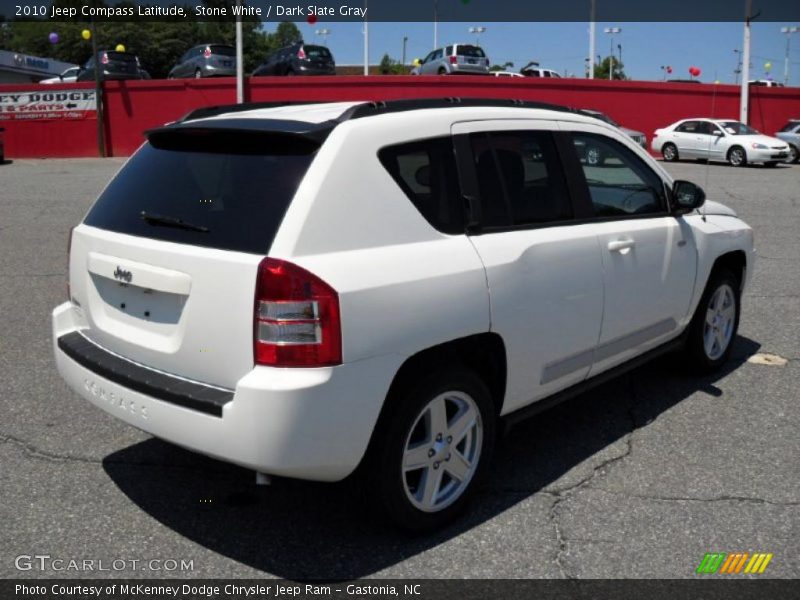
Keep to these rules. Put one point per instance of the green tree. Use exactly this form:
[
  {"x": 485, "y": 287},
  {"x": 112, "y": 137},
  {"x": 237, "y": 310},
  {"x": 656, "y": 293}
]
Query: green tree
[
  {"x": 390, "y": 66},
  {"x": 503, "y": 67},
  {"x": 601, "y": 70}
]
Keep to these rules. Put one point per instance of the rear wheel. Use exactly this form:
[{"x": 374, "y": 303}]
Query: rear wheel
[
  {"x": 198, "y": 74},
  {"x": 715, "y": 323},
  {"x": 442, "y": 71},
  {"x": 794, "y": 155},
  {"x": 737, "y": 156},
  {"x": 433, "y": 447},
  {"x": 669, "y": 152}
]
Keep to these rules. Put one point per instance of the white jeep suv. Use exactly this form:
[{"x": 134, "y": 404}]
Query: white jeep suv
[{"x": 305, "y": 289}]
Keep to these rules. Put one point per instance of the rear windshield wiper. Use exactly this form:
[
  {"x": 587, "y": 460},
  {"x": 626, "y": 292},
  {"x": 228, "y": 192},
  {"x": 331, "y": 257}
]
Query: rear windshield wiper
[{"x": 154, "y": 219}]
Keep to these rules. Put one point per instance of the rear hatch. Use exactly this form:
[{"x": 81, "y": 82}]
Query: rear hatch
[
  {"x": 472, "y": 58},
  {"x": 222, "y": 56},
  {"x": 119, "y": 63},
  {"x": 318, "y": 57},
  {"x": 164, "y": 266}
]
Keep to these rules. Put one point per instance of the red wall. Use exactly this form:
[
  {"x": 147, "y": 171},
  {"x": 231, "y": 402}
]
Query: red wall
[{"x": 134, "y": 106}]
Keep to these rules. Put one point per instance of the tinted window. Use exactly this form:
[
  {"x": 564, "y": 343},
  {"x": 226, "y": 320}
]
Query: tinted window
[
  {"x": 238, "y": 185},
  {"x": 620, "y": 183},
  {"x": 223, "y": 50},
  {"x": 316, "y": 52},
  {"x": 689, "y": 127},
  {"x": 437, "y": 55},
  {"x": 520, "y": 179},
  {"x": 448, "y": 51},
  {"x": 471, "y": 51},
  {"x": 426, "y": 172}
]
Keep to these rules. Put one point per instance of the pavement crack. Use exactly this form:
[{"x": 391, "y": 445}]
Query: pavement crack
[
  {"x": 563, "y": 494},
  {"x": 721, "y": 498}
]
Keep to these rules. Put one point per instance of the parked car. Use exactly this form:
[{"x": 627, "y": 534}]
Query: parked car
[
  {"x": 637, "y": 136},
  {"x": 720, "y": 140},
  {"x": 455, "y": 59},
  {"x": 790, "y": 133},
  {"x": 115, "y": 65},
  {"x": 764, "y": 83},
  {"x": 302, "y": 289},
  {"x": 298, "y": 59},
  {"x": 68, "y": 76},
  {"x": 506, "y": 74},
  {"x": 533, "y": 69},
  {"x": 206, "y": 60}
]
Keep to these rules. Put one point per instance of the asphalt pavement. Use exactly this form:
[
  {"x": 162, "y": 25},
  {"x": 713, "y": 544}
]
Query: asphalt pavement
[{"x": 639, "y": 478}]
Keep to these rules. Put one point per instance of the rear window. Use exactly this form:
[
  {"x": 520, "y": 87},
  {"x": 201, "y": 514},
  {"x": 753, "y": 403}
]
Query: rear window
[
  {"x": 317, "y": 52},
  {"x": 471, "y": 51},
  {"x": 223, "y": 50},
  {"x": 234, "y": 185},
  {"x": 121, "y": 57}
]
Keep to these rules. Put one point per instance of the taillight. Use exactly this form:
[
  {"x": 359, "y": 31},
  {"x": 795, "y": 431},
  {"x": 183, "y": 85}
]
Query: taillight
[
  {"x": 301, "y": 54},
  {"x": 296, "y": 322},
  {"x": 453, "y": 60},
  {"x": 69, "y": 251}
]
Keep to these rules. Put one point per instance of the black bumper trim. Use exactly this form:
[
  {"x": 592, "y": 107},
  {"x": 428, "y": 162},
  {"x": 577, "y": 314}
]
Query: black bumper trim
[{"x": 184, "y": 393}]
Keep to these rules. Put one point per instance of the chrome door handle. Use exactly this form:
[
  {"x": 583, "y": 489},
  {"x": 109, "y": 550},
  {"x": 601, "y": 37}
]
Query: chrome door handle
[{"x": 621, "y": 245}]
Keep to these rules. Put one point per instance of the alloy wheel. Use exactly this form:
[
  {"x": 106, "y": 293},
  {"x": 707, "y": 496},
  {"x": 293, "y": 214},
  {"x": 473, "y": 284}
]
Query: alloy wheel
[
  {"x": 442, "y": 451},
  {"x": 719, "y": 322}
]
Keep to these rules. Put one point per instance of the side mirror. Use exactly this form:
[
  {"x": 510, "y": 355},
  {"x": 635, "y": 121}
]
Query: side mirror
[
  {"x": 717, "y": 133},
  {"x": 686, "y": 197}
]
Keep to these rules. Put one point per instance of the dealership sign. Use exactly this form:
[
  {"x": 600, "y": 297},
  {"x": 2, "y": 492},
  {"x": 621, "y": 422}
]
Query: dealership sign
[{"x": 47, "y": 105}]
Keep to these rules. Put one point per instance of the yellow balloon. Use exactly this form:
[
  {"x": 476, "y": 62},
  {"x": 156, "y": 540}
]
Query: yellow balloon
[
  {"x": 120, "y": 48},
  {"x": 767, "y": 66},
  {"x": 86, "y": 34}
]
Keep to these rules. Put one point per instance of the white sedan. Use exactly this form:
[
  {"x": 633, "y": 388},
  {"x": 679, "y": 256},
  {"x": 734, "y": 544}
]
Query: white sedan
[{"x": 718, "y": 139}]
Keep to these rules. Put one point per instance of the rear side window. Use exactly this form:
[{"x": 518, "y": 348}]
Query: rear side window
[
  {"x": 620, "y": 183},
  {"x": 790, "y": 126},
  {"x": 426, "y": 172},
  {"x": 235, "y": 186},
  {"x": 689, "y": 127},
  {"x": 520, "y": 179}
]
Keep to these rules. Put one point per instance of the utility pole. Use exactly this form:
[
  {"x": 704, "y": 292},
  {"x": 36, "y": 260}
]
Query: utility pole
[
  {"x": 744, "y": 97},
  {"x": 788, "y": 31},
  {"x": 405, "y": 41},
  {"x": 591, "y": 38},
  {"x": 612, "y": 31},
  {"x": 98, "y": 96},
  {"x": 239, "y": 57},
  {"x": 366, "y": 40}
]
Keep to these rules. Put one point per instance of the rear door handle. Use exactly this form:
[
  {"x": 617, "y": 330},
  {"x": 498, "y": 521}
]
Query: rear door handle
[{"x": 621, "y": 245}]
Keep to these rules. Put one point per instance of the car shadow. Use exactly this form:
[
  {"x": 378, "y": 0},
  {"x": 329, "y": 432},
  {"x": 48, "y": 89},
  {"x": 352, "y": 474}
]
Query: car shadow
[{"x": 302, "y": 530}]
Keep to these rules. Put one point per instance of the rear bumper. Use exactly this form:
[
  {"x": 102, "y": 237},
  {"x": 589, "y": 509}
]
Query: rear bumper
[{"x": 303, "y": 423}]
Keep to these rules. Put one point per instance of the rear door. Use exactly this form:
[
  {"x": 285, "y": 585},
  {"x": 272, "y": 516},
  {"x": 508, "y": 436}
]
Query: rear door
[
  {"x": 649, "y": 258},
  {"x": 164, "y": 266},
  {"x": 687, "y": 137},
  {"x": 543, "y": 268}
]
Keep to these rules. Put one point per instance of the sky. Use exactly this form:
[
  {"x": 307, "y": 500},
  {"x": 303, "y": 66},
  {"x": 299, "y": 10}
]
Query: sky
[{"x": 563, "y": 46}]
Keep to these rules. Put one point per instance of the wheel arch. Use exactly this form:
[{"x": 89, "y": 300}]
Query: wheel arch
[{"x": 734, "y": 261}]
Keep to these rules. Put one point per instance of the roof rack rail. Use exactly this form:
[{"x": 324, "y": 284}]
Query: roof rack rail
[
  {"x": 369, "y": 109},
  {"x": 212, "y": 111}
]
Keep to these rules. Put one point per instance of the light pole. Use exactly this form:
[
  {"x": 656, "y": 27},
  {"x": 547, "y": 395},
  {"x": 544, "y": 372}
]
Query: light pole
[
  {"x": 619, "y": 47},
  {"x": 435, "y": 24},
  {"x": 323, "y": 33},
  {"x": 591, "y": 39},
  {"x": 612, "y": 31},
  {"x": 405, "y": 41},
  {"x": 788, "y": 31},
  {"x": 738, "y": 68},
  {"x": 477, "y": 31},
  {"x": 744, "y": 93}
]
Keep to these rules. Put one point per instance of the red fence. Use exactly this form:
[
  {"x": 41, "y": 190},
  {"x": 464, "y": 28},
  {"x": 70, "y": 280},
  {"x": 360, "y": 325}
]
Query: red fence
[{"x": 134, "y": 106}]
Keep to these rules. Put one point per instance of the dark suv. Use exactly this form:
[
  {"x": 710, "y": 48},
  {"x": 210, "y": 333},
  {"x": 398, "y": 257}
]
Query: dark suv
[
  {"x": 115, "y": 65},
  {"x": 298, "y": 59}
]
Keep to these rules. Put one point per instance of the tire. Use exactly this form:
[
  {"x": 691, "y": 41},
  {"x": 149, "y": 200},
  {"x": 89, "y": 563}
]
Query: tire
[
  {"x": 442, "y": 71},
  {"x": 291, "y": 73},
  {"x": 715, "y": 323},
  {"x": 452, "y": 464},
  {"x": 737, "y": 157},
  {"x": 670, "y": 152},
  {"x": 198, "y": 74},
  {"x": 794, "y": 155},
  {"x": 594, "y": 156}
]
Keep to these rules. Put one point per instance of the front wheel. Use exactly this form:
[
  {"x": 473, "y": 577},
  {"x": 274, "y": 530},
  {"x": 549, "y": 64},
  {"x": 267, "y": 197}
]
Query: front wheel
[
  {"x": 737, "y": 156},
  {"x": 435, "y": 446},
  {"x": 715, "y": 323},
  {"x": 794, "y": 155}
]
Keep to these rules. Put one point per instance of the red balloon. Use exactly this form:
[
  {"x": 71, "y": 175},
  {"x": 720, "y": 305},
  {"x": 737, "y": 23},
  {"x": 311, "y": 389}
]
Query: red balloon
[
  {"x": 669, "y": 69},
  {"x": 697, "y": 72},
  {"x": 311, "y": 19}
]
